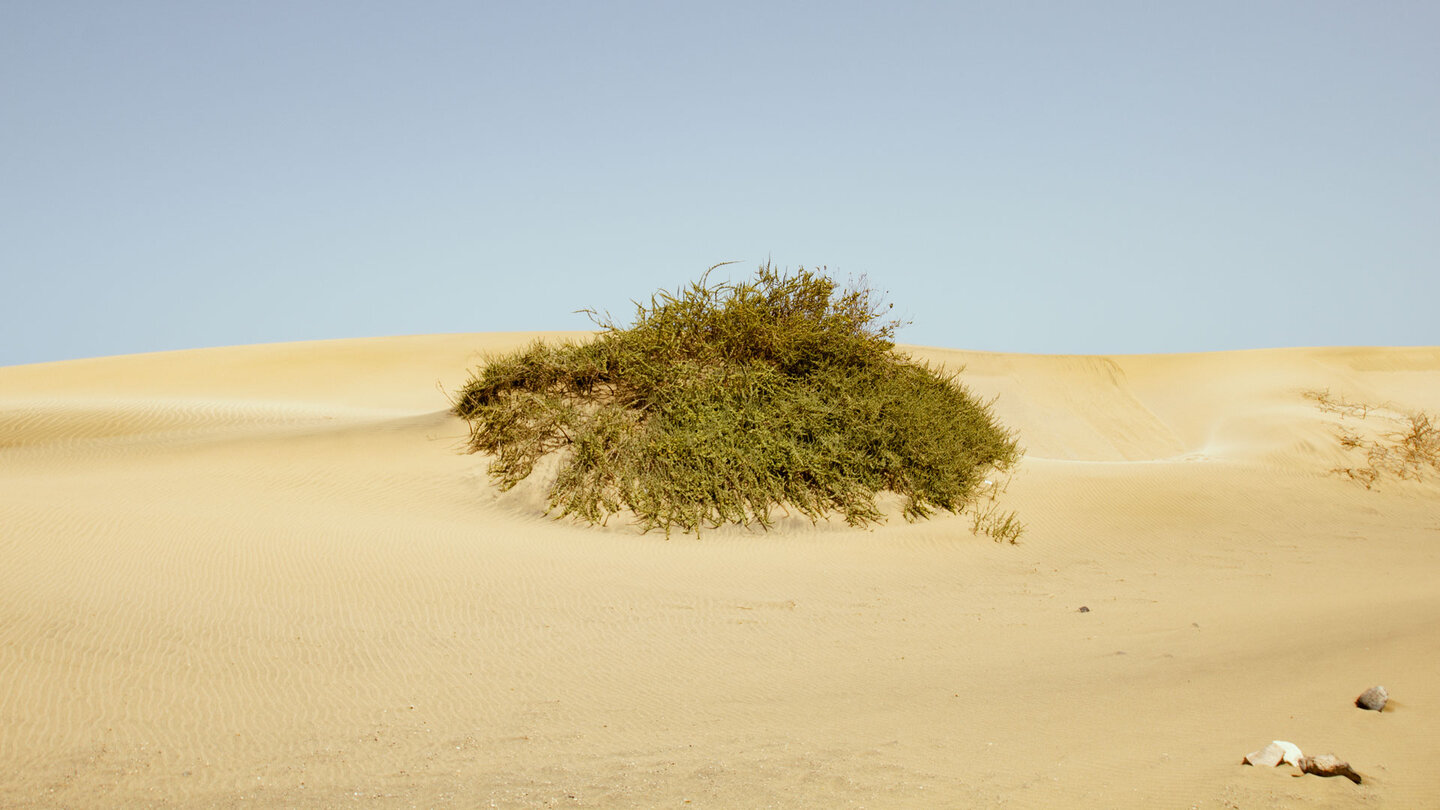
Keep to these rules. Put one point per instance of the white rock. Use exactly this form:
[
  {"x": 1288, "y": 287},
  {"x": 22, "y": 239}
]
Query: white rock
[{"x": 1275, "y": 753}]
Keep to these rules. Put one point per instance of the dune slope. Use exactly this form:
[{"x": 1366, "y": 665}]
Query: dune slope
[{"x": 266, "y": 576}]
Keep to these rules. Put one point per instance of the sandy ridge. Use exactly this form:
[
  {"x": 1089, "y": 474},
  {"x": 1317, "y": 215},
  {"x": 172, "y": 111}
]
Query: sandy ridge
[{"x": 265, "y": 576}]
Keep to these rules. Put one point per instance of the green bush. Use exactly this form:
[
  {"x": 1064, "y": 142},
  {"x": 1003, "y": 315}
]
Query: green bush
[{"x": 726, "y": 401}]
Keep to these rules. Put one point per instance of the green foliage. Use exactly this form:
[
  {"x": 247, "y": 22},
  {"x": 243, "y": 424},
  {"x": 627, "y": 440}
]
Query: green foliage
[{"x": 726, "y": 401}]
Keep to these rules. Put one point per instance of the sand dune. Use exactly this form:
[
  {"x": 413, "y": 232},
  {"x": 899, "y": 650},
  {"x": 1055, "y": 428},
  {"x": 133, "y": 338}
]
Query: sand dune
[{"x": 266, "y": 576}]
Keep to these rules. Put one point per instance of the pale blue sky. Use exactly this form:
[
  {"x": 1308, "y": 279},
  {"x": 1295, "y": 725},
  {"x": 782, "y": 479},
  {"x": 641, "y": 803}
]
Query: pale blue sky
[{"x": 1040, "y": 177}]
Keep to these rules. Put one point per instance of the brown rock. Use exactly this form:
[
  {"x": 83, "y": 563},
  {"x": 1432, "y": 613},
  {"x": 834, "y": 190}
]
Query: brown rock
[
  {"x": 1328, "y": 765},
  {"x": 1373, "y": 699}
]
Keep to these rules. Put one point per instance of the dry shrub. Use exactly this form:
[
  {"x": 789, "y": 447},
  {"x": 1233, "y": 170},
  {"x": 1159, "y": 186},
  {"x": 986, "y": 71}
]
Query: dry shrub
[{"x": 1405, "y": 451}]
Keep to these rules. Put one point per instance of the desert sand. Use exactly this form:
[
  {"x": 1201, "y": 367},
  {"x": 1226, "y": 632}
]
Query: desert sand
[{"x": 268, "y": 576}]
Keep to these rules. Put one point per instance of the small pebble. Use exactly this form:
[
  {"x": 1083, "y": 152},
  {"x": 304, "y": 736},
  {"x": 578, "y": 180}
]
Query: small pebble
[
  {"x": 1083, "y": 609},
  {"x": 1373, "y": 699}
]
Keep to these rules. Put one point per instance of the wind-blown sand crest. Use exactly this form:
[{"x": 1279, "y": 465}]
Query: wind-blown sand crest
[{"x": 267, "y": 576}]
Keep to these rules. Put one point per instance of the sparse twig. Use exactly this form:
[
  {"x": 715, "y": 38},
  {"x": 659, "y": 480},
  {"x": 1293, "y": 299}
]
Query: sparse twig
[{"x": 1404, "y": 452}]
